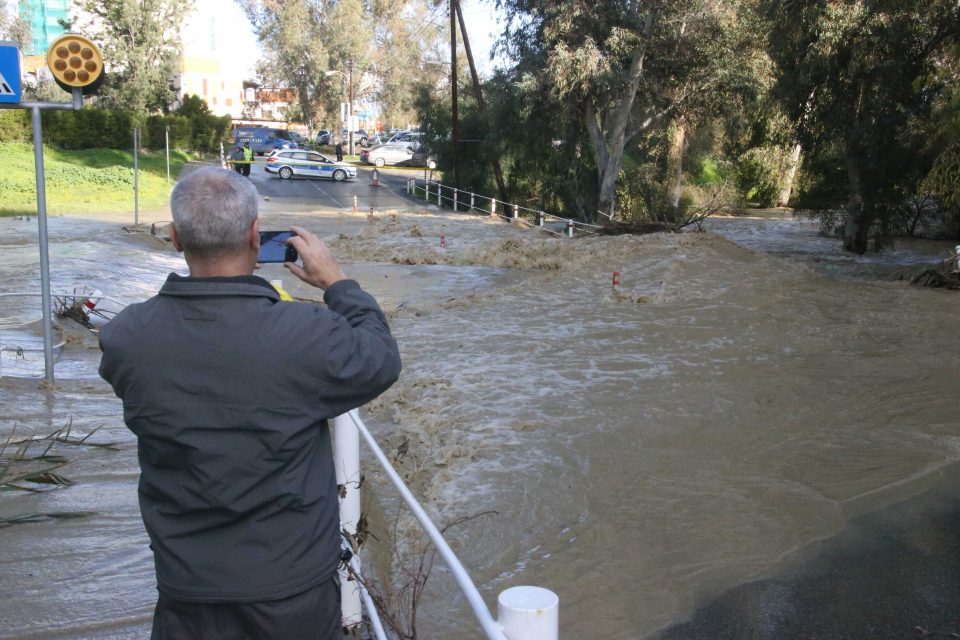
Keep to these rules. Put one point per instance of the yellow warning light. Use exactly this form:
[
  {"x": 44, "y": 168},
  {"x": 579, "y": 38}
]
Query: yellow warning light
[{"x": 76, "y": 63}]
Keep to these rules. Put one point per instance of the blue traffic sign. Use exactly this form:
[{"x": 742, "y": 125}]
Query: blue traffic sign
[{"x": 9, "y": 71}]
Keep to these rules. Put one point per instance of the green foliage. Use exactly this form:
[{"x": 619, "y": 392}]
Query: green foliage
[
  {"x": 141, "y": 44},
  {"x": 944, "y": 180},
  {"x": 758, "y": 175},
  {"x": 15, "y": 125},
  {"x": 88, "y": 129},
  {"x": 91, "y": 180}
]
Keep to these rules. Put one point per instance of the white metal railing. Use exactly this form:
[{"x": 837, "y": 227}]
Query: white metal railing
[
  {"x": 525, "y": 613},
  {"x": 433, "y": 190}
]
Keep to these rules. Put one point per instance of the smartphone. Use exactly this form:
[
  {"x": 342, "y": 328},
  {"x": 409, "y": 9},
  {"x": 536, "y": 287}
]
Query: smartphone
[{"x": 273, "y": 247}]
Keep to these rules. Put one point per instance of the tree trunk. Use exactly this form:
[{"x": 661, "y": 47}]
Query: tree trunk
[
  {"x": 856, "y": 229},
  {"x": 786, "y": 183},
  {"x": 678, "y": 147},
  {"x": 610, "y": 136}
]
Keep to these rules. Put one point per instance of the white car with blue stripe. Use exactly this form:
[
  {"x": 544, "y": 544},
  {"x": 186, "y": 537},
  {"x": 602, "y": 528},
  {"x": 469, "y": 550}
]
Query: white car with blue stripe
[{"x": 310, "y": 164}]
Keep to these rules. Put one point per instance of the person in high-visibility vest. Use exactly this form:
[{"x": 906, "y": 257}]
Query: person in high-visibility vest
[{"x": 247, "y": 157}]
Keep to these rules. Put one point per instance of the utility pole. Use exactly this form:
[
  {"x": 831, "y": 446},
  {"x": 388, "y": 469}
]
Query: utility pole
[
  {"x": 350, "y": 111},
  {"x": 455, "y": 134},
  {"x": 482, "y": 105}
]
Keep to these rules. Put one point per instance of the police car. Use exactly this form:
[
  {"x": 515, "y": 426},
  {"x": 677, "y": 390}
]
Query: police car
[{"x": 289, "y": 163}]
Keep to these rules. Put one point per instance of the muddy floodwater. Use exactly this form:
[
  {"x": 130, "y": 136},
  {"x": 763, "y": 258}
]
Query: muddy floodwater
[{"x": 743, "y": 394}]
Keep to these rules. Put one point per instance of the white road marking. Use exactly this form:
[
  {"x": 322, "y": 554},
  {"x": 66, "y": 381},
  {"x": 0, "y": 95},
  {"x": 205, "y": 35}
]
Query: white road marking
[{"x": 337, "y": 202}]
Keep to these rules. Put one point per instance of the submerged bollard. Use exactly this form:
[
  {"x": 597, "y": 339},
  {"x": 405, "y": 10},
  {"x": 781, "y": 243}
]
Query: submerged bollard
[
  {"x": 456, "y": 196},
  {"x": 443, "y": 241},
  {"x": 355, "y": 207},
  {"x": 471, "y": 202},
  {"x": 493, "y": 206},
  {"x": 616, "y": 280},
  {"x": 516, "y": 212},
  {"x": 569, "y": 228},
  {"x": 529, "y": 613}
]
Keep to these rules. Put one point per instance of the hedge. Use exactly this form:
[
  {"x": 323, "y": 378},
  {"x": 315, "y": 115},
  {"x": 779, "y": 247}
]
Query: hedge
[{"x": 102, "y": 128}]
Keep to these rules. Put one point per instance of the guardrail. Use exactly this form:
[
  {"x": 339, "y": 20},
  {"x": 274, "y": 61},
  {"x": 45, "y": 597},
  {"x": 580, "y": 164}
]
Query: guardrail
[
  {"x": 525, "y": 613},
  {"x": 460, "y": 200}
]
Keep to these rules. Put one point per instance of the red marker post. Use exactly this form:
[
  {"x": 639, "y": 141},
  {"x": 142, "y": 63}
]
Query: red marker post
[{"x": 616, "y": 280}]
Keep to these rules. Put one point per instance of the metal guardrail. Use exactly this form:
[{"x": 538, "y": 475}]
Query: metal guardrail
[
  {"x": 527, "y": 613},
  {"x": 571, "y": 226}
]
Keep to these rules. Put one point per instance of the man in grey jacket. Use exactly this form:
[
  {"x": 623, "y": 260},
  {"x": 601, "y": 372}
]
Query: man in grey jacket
[{"x": 228, "y": 390}]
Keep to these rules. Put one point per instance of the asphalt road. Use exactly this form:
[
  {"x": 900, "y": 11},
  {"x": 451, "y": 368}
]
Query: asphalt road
[{"x": 320, "y": 192}]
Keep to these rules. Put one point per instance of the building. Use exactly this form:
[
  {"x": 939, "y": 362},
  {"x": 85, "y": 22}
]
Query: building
[
  {"x": 219, "y": 54},
  {"x": 46, "y": 19}
]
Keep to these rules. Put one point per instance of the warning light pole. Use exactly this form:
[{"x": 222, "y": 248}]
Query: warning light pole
[{"x": 77, "y": 66}]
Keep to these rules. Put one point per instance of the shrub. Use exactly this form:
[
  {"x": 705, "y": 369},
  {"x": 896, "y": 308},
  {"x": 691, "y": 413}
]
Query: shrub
[{"x": 15, "y": 125}]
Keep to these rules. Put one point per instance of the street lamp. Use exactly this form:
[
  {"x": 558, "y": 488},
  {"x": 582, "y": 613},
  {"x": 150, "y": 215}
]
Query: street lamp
[{"x": 349, "y": 105}]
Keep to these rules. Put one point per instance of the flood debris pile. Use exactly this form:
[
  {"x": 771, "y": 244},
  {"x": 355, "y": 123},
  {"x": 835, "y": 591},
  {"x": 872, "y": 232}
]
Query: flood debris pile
[
  {"x": 34, "y": 463},
  {"x": 945, "y": 276}
]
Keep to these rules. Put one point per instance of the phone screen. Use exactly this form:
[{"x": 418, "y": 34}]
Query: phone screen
[{"x": 273, "y": 249}]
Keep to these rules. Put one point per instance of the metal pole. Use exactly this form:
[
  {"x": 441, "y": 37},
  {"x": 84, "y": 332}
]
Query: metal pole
[
  {"x": 167, "y": 142},
  {"x": 44, "y": 254},
  {"x": 350, "y": 112},
  {"x": 136, "y": 175},
  {"x": 454, "y": 108}
]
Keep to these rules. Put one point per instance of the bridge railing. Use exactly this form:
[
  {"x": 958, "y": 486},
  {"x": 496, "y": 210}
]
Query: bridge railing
[{"x": 525, "y": 612}]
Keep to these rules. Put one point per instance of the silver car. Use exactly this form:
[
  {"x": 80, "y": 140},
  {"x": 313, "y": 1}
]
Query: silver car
[
  {"x": 387, "y": 154},
  {"x": 311, "y": 164}
]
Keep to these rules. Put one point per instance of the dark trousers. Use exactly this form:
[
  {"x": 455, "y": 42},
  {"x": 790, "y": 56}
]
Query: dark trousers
[
  {"x": 311, "y": 615},
  {"x": 245, "y": 168},
  {"x": 339, "y": 152}
]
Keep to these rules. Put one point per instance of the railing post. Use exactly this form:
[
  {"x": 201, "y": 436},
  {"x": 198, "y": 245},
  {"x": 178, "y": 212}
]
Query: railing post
[
  {"x": 439, "y": 194},
  {"x": 569, "y": 228},
  {"x": 346, "y": 463},
  {"x": 529, "y": 613},
  {"x": 540, "y": 217},
  {"x": 426, "y": 191},
  {"x": 455, "y": 200},
  {"x": 515, "y": 212},
  {"x": 493, "y": 206},
  {"x": 471, "y": 202}
]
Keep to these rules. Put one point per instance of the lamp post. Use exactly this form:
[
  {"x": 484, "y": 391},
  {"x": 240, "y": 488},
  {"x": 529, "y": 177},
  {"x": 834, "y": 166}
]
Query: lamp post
[{"x": 349, "y": 78}]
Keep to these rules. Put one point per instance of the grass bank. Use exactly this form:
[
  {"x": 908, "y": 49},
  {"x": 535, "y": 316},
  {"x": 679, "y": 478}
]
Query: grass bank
[{"x": 88, "y": 181}]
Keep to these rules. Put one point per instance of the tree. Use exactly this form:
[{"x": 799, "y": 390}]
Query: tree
[
  {"x": 295, "y": 51},
  {"x": 628, "y": 67},
  {"x": 12, "y": 25},
  {"x": 855, "y": 76},
  {"x": 141, "y": 45}
]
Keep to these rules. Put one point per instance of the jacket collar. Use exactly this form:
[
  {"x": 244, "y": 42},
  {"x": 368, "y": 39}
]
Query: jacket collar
[{"x": 252, "y": 286}]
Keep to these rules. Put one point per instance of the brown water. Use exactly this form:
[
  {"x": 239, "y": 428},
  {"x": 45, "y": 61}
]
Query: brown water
[{"x": 644, "y": 450}]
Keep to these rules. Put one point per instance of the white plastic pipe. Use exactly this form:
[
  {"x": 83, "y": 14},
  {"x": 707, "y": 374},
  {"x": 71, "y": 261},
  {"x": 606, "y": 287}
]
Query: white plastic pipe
[
  {"x": 529, "y": 613},
  {"x": 346, "y": 462}
]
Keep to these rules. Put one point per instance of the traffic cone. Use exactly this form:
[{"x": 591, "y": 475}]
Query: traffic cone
[{"x": 376, "y": 178}]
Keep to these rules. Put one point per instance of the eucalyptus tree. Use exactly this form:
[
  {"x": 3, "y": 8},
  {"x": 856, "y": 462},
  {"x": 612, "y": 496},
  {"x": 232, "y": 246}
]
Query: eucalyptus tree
[
  {"x": 295, "y": 54},
  {"x": 141, "y": 43},
  {"x": 627, "y": 66},
  {"x": 857, "y": 76}
]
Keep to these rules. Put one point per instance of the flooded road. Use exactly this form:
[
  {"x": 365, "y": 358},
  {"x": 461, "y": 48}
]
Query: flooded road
[{"x": 745, "y": 393}]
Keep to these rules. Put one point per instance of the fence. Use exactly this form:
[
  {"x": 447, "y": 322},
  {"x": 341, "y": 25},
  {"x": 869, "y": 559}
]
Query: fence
[
  {"x": 525, "y": 613},
  {"x": 460, "y": 200}
]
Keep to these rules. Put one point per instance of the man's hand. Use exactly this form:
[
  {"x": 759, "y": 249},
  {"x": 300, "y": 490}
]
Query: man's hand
[{"x": 319, "y": 268}]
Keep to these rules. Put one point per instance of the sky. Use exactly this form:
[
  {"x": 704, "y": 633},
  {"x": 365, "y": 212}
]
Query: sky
[{"x": 483, "y": 28}]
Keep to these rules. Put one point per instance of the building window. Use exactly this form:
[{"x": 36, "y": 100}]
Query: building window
[
  {"x": 228, "y": 102},
  {"x": 204, "y": 87}
]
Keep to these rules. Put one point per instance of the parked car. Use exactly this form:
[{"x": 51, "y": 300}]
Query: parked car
[
  {"x": 375, "y": 139},
  {"x": 263, "y": 140},
  {"x": 287, "y": 164},
  {"x": 422, "y": 157},
  {"x": 386, "y": 154},
  {"x": 359, "y": 136},
  {"x": 406, "y": 139},
  {"x": 323, "y": 136},
  {"x": 302, "y": 141}
]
